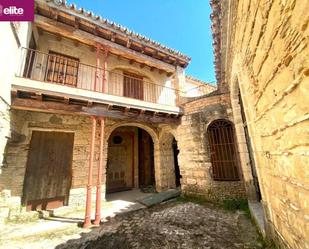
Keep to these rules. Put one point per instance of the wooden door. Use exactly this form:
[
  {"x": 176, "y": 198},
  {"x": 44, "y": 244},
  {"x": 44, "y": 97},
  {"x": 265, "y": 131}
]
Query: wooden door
[
  {"x": 133, "y": 86},
  {"x": 120, "y": 170},
  {"x": 145, "y": 160},
  {"x": 49, "y": 170}
]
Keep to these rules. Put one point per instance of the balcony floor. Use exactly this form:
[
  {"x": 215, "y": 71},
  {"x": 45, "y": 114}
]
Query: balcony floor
[
  {"x": 48, "y": 97},
  {"x": 24, "y": 84}
]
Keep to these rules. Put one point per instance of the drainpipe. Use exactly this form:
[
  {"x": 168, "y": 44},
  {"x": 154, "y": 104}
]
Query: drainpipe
[
  {"x": 97, "y": 66},
  {"x": 99, "y": 179},
  {"x": 87, "y": 220},
  {"x": 105, "y": 55}
]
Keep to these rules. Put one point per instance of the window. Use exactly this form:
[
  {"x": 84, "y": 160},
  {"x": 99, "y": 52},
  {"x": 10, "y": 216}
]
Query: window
[
  {"x": 223, "y": 154},
  {"x": 133, "y": 86},
  {"x": 62, "y": 69}
]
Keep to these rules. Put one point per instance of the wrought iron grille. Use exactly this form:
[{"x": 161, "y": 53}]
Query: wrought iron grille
[{"x": 223, "y": 151}]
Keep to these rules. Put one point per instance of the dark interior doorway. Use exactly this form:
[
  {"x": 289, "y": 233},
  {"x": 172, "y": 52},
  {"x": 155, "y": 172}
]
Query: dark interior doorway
[{"x": 176, "y": 165}]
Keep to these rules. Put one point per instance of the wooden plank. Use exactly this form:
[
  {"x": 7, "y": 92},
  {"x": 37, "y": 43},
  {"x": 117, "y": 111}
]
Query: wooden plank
[
  {"x": 120, "y": 170},
  {"x": 49, "y": 169},
  {"x": 96, "y": 109}
]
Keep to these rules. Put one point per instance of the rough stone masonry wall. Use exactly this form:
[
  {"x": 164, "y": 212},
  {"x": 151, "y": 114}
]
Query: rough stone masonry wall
[
  {"x": 4, "y": 130},
  {"x": 22, "y": 124},
  {"x": 194, "y": 156},
  {"x": 270, "y": 61}
]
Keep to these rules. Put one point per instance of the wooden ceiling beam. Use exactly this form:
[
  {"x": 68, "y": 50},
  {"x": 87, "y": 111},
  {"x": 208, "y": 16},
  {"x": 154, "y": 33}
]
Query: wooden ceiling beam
[
  {"x": 68, "y": 31},
  {"x": 96, "y": 110},
  {"x": 54, "y": 14},
  {"x": 113, "y": 36},
  {"x": 129, "y": 43},
  {"x": 76, "y": 22}
]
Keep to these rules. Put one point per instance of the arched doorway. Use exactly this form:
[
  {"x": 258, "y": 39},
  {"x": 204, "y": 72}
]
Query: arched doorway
[
  {"x": 130, "y": 160},
  {"x": 224, "y": 158}
]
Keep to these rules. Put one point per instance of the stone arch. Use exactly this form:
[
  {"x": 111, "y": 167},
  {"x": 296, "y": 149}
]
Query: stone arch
[
  {"x": 155, "y": 139},
  {"x": 245, "y": 162},
  {"x": 217, "y": 118},
  {"x": 147, "y": 128},
  {"x": 166, "y": 130}
]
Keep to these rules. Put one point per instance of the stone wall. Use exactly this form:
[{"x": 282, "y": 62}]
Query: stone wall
[
  {"x": 269, "y": 63},
  {"x": 4, "y": 130},
  {"x": 16, "y": 34},
  {"x": 194, "y": 156},
  {"x": 24, "y": 122}
]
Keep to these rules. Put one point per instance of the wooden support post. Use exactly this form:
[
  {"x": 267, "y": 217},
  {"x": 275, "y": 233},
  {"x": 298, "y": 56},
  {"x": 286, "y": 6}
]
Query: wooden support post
[
  {"x": 99, "y": 178},
  {"x": 97, "y": 66},
  {"x": 87, "y": 220},
  {"x": 105, "y": 55}
]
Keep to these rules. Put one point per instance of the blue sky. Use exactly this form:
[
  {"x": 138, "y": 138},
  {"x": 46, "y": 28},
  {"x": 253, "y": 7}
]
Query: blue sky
[{"x": 180, "y": 24}]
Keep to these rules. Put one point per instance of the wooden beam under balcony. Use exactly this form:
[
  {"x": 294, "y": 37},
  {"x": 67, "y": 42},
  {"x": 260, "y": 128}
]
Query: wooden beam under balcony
[{"x": 62, "y": 105}]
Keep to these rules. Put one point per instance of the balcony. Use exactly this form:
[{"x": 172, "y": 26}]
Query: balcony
[{"x": 60, "y": 75}]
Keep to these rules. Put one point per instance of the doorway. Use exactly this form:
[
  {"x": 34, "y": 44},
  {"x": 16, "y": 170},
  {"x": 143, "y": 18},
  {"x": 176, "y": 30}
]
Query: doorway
[
  {"x": 176, "y": 165},
  {"x": 130, "y": 162},
  {"x": 146, "y": 173},
  {"x": 48, "y": 171}
]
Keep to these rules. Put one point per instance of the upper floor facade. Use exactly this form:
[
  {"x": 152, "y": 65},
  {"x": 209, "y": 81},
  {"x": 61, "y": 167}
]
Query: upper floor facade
[{"x": 74, "y": 57}]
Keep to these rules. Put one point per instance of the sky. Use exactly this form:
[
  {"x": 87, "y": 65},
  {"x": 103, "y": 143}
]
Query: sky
[{"x": 183, "y": 25}]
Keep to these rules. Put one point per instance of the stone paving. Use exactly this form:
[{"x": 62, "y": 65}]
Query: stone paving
[{"x": 172, "y": 225}]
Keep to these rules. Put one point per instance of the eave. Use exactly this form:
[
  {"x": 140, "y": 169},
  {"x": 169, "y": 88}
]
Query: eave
[{"x": 101, "y": 28}]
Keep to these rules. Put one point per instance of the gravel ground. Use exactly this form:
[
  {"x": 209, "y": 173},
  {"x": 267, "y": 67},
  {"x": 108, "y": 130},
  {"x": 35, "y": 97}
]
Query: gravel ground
[{"x": 172, "y": 225}]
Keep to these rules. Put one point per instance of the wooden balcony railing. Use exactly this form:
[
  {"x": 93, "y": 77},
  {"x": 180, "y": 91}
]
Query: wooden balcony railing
[{"x": 69, "y": 71}]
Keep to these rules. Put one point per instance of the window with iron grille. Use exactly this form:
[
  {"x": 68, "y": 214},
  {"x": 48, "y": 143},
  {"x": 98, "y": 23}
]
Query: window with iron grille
[
  {"x": 62, "y": 69},
  {"x": 224, "y": 158},
  {"x": 133, "y": 86}
]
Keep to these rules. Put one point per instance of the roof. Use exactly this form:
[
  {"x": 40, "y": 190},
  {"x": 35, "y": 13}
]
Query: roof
[
  {"x": 199, "y": 81},
  {"x": 114, "y": 27},
  {"x": 216, "y": 35}
]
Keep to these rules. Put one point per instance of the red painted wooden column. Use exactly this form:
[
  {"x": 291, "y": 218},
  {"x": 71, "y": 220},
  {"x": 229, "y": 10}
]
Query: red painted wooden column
[
  {"x": 97, "y": 70},
  {"x": 99, "y": 178},
  {"x": 87, "y": 220},
  {"x": 105, "y": 55}
]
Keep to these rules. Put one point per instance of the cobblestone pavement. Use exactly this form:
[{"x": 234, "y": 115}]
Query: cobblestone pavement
[{"x": 172, "y": 225}]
